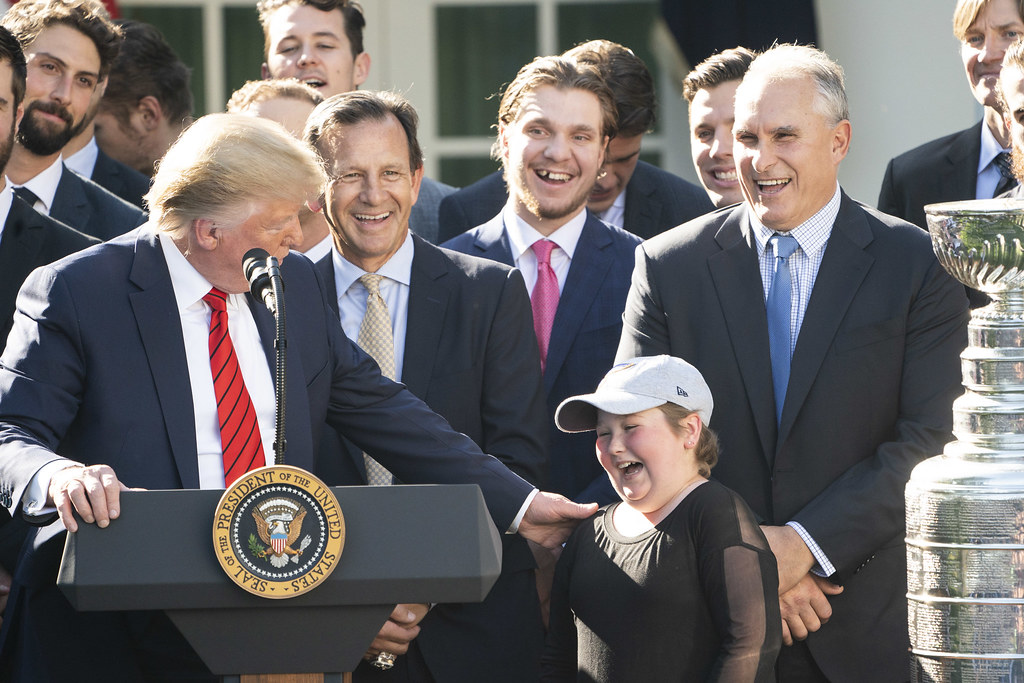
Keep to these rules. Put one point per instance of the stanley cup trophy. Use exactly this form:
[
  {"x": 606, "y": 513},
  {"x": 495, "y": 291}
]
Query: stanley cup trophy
[{"x": 965, "y": 508}]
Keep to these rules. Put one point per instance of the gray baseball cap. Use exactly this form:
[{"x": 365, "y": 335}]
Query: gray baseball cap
[{"x": 636, "y": 385}]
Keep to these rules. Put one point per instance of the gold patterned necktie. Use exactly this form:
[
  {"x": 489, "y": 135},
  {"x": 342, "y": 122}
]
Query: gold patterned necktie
[{"x": 377, "y": 339}]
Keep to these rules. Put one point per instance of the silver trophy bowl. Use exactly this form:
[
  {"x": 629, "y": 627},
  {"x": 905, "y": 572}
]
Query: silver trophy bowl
[{"x": 965, "y": 508}]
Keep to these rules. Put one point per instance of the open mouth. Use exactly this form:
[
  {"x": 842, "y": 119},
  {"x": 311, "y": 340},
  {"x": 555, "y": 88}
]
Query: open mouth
[
  {"x": 314, "y": 82},
  {"x": 631, "y": 468},
  {"x": 725, "y": 176},
  {"x": 554, "y": 176},
  {"x": 773, "y": 186}
]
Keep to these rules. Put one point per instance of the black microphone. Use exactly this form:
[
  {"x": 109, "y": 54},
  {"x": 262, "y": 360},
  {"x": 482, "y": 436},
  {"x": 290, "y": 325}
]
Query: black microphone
[{"x": 257, "y": 265}]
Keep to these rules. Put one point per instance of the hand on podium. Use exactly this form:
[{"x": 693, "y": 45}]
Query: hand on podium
[
  {"x": 551, "y": 518},
  {"x": 93, "y": 492},
  {"x": 398, "y": 631}
]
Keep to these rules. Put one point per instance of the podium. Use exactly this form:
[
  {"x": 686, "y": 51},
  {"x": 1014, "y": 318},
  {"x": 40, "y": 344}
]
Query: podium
[{"x": 403, "y": 544}]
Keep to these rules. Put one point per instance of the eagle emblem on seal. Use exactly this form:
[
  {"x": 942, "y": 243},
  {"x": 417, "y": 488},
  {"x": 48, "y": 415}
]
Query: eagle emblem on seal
[{"x": 279, "y": 524}]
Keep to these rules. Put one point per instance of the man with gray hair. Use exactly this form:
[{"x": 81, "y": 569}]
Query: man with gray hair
[
  {"x": 82, "y": 419},
  {"x": 830, "y": 337}
]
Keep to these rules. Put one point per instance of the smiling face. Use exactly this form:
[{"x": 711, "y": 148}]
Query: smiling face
[
  {"x": 63, "y": 78},
  {"x": 786, "y": 152},
  {"x": 552, "y": 153},
  {"x": 711, "y": 119},
  {"x": 372, "y": 191},
  {"x": 997, "y": 25},
  {"x": 309, "y": 44},
  {"x": 646, "y": 459}
]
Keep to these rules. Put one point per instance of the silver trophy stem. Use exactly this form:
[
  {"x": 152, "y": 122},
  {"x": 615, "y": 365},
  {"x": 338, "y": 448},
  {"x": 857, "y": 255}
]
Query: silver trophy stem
[{"x": 965, "y": 508}]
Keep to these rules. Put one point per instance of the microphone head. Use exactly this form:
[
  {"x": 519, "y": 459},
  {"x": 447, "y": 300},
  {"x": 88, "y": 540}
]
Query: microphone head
[{"x": 253, "y": 259}]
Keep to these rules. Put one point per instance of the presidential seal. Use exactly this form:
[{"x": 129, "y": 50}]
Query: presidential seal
[{"x": 278, "y": 532}]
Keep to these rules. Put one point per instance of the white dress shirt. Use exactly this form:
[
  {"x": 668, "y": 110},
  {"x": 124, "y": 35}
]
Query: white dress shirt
[
  {"x": 44, "y": 186},
  {"x": 319, "y": 250},
  {"x": 616, "y": 213},
  {"x": 988, "y": 173},
  {"x": 521, "y": 237},
  {"x": 6, "y": 197},
  {"x": 83, "y": 162}
]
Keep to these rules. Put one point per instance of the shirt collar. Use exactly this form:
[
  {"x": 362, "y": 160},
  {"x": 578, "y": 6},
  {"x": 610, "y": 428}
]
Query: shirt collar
[
  {"x": 522, "y": 235},
  {"x": 44, "y": 184},
  {"x": 83, "y": 162},
  {"x": 812, "y": 235},
  {"x": 6, "y": 197},
  {"x": 397, "y": 268},
  {"x": 189, "y": 285},
  {"x": 990, "y": 147}
]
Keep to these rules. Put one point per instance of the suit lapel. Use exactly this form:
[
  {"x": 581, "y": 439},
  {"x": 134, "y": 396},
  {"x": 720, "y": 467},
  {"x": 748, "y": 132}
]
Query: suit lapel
[
  {"x": 428, "y": 302},
  {"x": 492, "y": 242},
  {"x": 642, "y": 206},
  {"x": 843, "y": 269},
  {"x": 70, "y": 205},
  {"x": 20, "y": 244},
  {"x": 961, "y": 180},
  {"x": 737, "y": 280},
  {"x": 156, "y": 313},
  {"x": 589, "y": 267}
]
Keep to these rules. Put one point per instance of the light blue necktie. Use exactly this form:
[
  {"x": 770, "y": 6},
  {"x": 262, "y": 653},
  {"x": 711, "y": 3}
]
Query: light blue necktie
[{"x": 779, "y": 308}]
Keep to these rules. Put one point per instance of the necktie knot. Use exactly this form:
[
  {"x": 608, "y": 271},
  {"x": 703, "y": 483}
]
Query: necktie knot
[
  {"x": 1004, "y": 164},
  {"x": 785, "y": 245},
  {"x": 542, "y": 249},
  {"x": 27, "y": 195},
  {"x": 216, "y": 299},
  {"x": 372, "y": 283}
]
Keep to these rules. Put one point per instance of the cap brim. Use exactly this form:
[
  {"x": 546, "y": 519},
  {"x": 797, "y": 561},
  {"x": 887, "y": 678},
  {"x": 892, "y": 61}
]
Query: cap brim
[{"x": 579, "y": 413}]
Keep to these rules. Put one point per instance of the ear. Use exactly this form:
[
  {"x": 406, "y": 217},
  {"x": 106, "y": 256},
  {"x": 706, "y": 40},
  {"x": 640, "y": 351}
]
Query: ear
[
  {"x": 503, "y": 141},
  {"x": 316, "y": 205},
  {"x": 148, "y": 114},
  {"x": 841, "y": 140},
  {"x": 691, "y": 427},
  {"x": 205, "y": 233},
  {"x": 361, "y": 68},
  {"x": 17, "y": 116},
  {"x": 264, "y": 71},
  {"x": 101, "y": 87}
]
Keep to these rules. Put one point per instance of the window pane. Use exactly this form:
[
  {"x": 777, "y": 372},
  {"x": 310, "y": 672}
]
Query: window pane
[
  {"x": 479, "y": 49},
  {"x": 180, "y": 26},
  {"x": 243, "y": 48},
  {"x": 461, "y": 171},
  {"x": 626, "y": 23}
]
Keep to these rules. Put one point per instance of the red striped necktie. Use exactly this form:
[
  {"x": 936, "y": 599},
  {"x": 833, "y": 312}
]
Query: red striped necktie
[{"x": 240, "y": 439}]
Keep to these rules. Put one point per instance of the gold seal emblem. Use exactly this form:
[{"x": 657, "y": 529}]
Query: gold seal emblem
[{"x": 278, "y": 532}]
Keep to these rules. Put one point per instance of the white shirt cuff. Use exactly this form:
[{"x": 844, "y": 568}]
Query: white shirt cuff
[
  {"x": 824, "y": 568},
  {"x": 33, "y": 503},
  {"x": 514, "y": 527}
]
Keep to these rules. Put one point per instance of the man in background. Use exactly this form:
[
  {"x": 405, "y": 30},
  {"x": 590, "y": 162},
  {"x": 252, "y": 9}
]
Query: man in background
[{"x": 710, "y": 90}]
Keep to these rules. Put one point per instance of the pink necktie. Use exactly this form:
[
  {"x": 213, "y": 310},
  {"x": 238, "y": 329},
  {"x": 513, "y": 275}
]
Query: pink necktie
[{"x": 545, "y": 297}]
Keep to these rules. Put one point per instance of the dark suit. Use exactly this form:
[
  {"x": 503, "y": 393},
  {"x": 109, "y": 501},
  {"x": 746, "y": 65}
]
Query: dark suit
[
  {"x": 470, "y": 355},
  {"x": 584, "y": 336},
  {"x": 423, "y": 220},
  {"x": 120, "y": 179},
  {"x": 29, "y": 240},
  {"x": 874, "y": 373},
  {"x": 656, "y": 200},
  {"x": 943, "y": 170},
  {"x": 89, "y": 208},
  {"x": 95, "y": 369}
]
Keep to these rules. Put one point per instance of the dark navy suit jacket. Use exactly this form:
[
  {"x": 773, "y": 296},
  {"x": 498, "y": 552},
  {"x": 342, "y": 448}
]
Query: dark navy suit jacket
[
  {"x": 584, "y": 337},
  {"x": 88, "y": 208},
  {"x": 95, "y": 370},
  {"x": 656, "y": 200},
  {"x": 120, "y": 179},
  {"x": 470, "y": 354}
]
